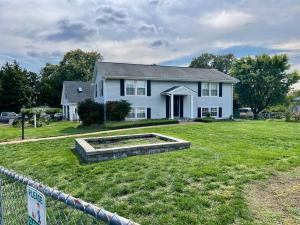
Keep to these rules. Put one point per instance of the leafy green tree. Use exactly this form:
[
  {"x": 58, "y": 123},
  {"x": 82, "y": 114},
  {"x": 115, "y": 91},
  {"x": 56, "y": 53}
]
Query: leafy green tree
[
  {"x": 222, "y": 63},
  {"x": 264, "y": 80},
  {"x": 76, "y": 65},
  {"x": 18, "y": 87}
]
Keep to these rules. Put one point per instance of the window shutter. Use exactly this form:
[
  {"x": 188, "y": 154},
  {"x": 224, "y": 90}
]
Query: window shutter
[
  {"x": 167, "y": 106},
  {"x": 148, "y": 113},
  {"x": 220, "y": 111},
  {"x": 122, "y": 87},
  {"x": 199, "y": 112},
  {"x": 199, "y": 89},
  {"x": 220, "y": 89},
  {"x": 148, "y": 87}
]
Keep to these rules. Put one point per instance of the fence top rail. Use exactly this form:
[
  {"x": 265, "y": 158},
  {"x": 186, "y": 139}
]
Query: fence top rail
[{"x": 88, "y": 208}]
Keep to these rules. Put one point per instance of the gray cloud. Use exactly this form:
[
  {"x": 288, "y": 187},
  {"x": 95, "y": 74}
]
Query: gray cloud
[
  {"x": 44, "y": 54},
  {"x": 159, "y": 43},
  {"x": 111, "y": 16},
  {"x": 147, "y": 28},
  {"x": 74, "y": 31}
]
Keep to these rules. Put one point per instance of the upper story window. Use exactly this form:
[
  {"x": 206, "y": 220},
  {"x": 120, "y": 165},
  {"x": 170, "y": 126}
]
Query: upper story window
[
  {"x": 213, "y": 89},
  {"x": 135, "y": 87},
  {"x": 210, "y": 89},
  {"x": 140, "y": 87},
  {"x": 205, "y": 89},
  {"x": 130, "y": 87}
]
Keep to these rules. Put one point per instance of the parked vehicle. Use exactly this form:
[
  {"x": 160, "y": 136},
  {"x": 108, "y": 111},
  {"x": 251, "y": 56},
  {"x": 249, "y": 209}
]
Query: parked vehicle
[
  {"x": 58, "y": 116},
  {"x": 246, "y": 113},
  {"x": 7, "y": 117}
]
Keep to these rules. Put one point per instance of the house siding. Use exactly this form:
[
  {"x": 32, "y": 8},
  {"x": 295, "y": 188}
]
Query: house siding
[{"x": 157, "y": 102}]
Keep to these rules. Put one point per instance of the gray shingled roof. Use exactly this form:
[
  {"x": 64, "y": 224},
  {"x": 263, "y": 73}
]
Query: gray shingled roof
[
  {"x": 73, "y": 95},
  {"x": 156, "y": 72}
]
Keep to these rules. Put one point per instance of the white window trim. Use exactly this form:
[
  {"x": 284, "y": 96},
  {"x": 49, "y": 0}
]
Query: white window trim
[
  {"x": 135, "y": 113},
  {"x": 209, "y": 110},
  {"x": 135, "y": 88},
  {"x": 209, "y": 89}
]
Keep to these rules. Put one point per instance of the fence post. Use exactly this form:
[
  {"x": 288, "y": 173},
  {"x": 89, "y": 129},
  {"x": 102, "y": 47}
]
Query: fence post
[{"x": 1, "y": 204}]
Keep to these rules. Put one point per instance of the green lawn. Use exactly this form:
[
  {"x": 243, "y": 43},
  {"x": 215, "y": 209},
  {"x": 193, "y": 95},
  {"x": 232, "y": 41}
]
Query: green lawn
[
  {"x": 8, "y": 133},
  {"x": 206, "y": 184}
]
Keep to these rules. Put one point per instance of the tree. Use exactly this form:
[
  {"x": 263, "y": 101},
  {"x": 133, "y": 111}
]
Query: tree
[
  {"x": 222, "y": 63},
  {"x": 18, "y": 87},
  {"x": 264, "y": 80},
  {"x": 76, "y": 65}
]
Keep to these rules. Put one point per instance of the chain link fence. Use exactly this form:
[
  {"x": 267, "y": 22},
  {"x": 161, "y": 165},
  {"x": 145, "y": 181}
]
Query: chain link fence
[{"x": 62, "y": 208}]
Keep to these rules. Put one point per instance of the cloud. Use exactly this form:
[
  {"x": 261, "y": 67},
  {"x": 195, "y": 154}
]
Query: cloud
[
  {"x": 74, "y": 31},
  {"x": 111, "y": 16},
  {"x": 147, "y": 28},
  {"x": 159, "y": 43},
  {"x": 44, "y": 54},
  {"x": 226, "y": 19}
]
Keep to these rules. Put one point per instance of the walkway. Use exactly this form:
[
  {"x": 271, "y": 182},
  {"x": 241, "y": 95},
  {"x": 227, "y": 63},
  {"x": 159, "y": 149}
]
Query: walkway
[{"x": 87, "y": 134}]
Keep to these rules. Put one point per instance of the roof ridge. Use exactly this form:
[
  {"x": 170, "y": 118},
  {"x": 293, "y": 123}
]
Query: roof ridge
[{"x": 141, "y": 64}]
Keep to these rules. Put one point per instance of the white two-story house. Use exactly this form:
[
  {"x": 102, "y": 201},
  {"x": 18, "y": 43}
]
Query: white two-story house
[{"x": 165, "y": 91}]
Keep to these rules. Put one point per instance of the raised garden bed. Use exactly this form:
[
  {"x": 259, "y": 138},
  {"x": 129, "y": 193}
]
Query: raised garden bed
[{"x": 114, "y": 147}]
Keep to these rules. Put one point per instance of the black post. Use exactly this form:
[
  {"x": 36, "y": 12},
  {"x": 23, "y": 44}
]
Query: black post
[{"x": 22, "y": 125}]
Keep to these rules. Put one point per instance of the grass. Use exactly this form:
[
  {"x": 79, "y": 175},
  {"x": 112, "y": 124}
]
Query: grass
[
  {"x": 126, "y": 142},
  {"x": 8, "y": 133},
  {"x": 206, "y": 184}
]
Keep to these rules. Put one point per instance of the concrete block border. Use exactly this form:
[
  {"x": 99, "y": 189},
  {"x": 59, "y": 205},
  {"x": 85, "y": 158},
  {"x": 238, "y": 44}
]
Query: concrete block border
[{"x": 89, "y": 154}]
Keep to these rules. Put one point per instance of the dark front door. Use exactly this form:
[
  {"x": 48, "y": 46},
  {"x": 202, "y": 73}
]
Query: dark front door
[{"x": 178, "y": 106}]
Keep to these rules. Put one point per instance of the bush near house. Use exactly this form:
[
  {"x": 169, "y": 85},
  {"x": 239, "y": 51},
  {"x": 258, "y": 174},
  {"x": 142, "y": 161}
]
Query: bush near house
[
  {"x": 91, "y": 112},
  {"x": 117, "y": 110}
]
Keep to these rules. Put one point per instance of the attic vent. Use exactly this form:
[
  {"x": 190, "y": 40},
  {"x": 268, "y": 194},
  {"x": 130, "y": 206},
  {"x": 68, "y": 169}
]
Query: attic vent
[{"x": 79, "y": 89}]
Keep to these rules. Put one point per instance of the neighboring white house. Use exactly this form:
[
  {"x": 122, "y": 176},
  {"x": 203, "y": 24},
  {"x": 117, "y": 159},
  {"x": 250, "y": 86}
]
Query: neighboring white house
[
  {"x": 74, "y": 92},
  {"x": 165, "y": 91}
]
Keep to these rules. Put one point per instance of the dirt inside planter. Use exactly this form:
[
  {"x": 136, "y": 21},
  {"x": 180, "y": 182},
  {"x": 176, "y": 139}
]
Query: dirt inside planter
[
  {"x": 125, "y": 142},
  {"x": 277, "y": 200}
]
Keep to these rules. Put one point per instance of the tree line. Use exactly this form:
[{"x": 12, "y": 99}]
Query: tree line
[
  {"x": 264, "y": 80},
  {"x": 22, "y": 88}
]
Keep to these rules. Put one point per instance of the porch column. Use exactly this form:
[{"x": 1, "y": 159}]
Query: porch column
[
  {"x": 172, "y": 107},
  {"x": 192, "y": 107}
]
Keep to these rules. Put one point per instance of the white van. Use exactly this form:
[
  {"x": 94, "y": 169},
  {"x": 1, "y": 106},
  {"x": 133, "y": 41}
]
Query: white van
[{"x": 246, "y": 113}]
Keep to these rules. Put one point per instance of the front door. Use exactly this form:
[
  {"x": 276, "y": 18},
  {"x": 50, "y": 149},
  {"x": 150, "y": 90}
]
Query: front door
[{"x": 178, "y": 106}]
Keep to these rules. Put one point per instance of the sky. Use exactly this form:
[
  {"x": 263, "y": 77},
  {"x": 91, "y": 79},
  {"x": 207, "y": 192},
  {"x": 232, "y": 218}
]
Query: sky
[{"x": 166, "y": 32}]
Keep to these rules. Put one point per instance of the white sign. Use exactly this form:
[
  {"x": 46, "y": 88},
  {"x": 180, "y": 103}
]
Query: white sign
[{"x": 36, "y": 206}]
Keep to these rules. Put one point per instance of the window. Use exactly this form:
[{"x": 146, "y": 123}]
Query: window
[
  {"x": 210, "y": 89},
  {"x": 205, "y": 111},
  {"x": 137, "y": 113},
  {"x": 214, "y": 111},
  {"x": 205, "y": 89},
  {"x": 213, "y": 89},
  {"x": 141, "y": 113},
  {"x": 141, "y": 87},
  {"x": 131, "y": 114},
  {"x": 130, "y": 87},
  {"x": 135, "y": 87}
]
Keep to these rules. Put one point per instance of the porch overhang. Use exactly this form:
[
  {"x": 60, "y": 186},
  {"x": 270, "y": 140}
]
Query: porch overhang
[{"x": 178, "y": 90}]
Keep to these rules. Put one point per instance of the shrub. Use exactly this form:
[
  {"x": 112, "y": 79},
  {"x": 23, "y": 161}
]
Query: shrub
[
  {"x": 297, "y": 116},
  {"x": 117, "y": 110},
  {"x": 91, "y": 112},
  {"x": 288, "y": 115},
  {"x": 206, "y": 119}
]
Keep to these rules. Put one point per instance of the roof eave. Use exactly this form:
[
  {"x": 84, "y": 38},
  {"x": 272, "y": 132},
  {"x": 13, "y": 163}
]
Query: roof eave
[{"x": 234, "y": 81}]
